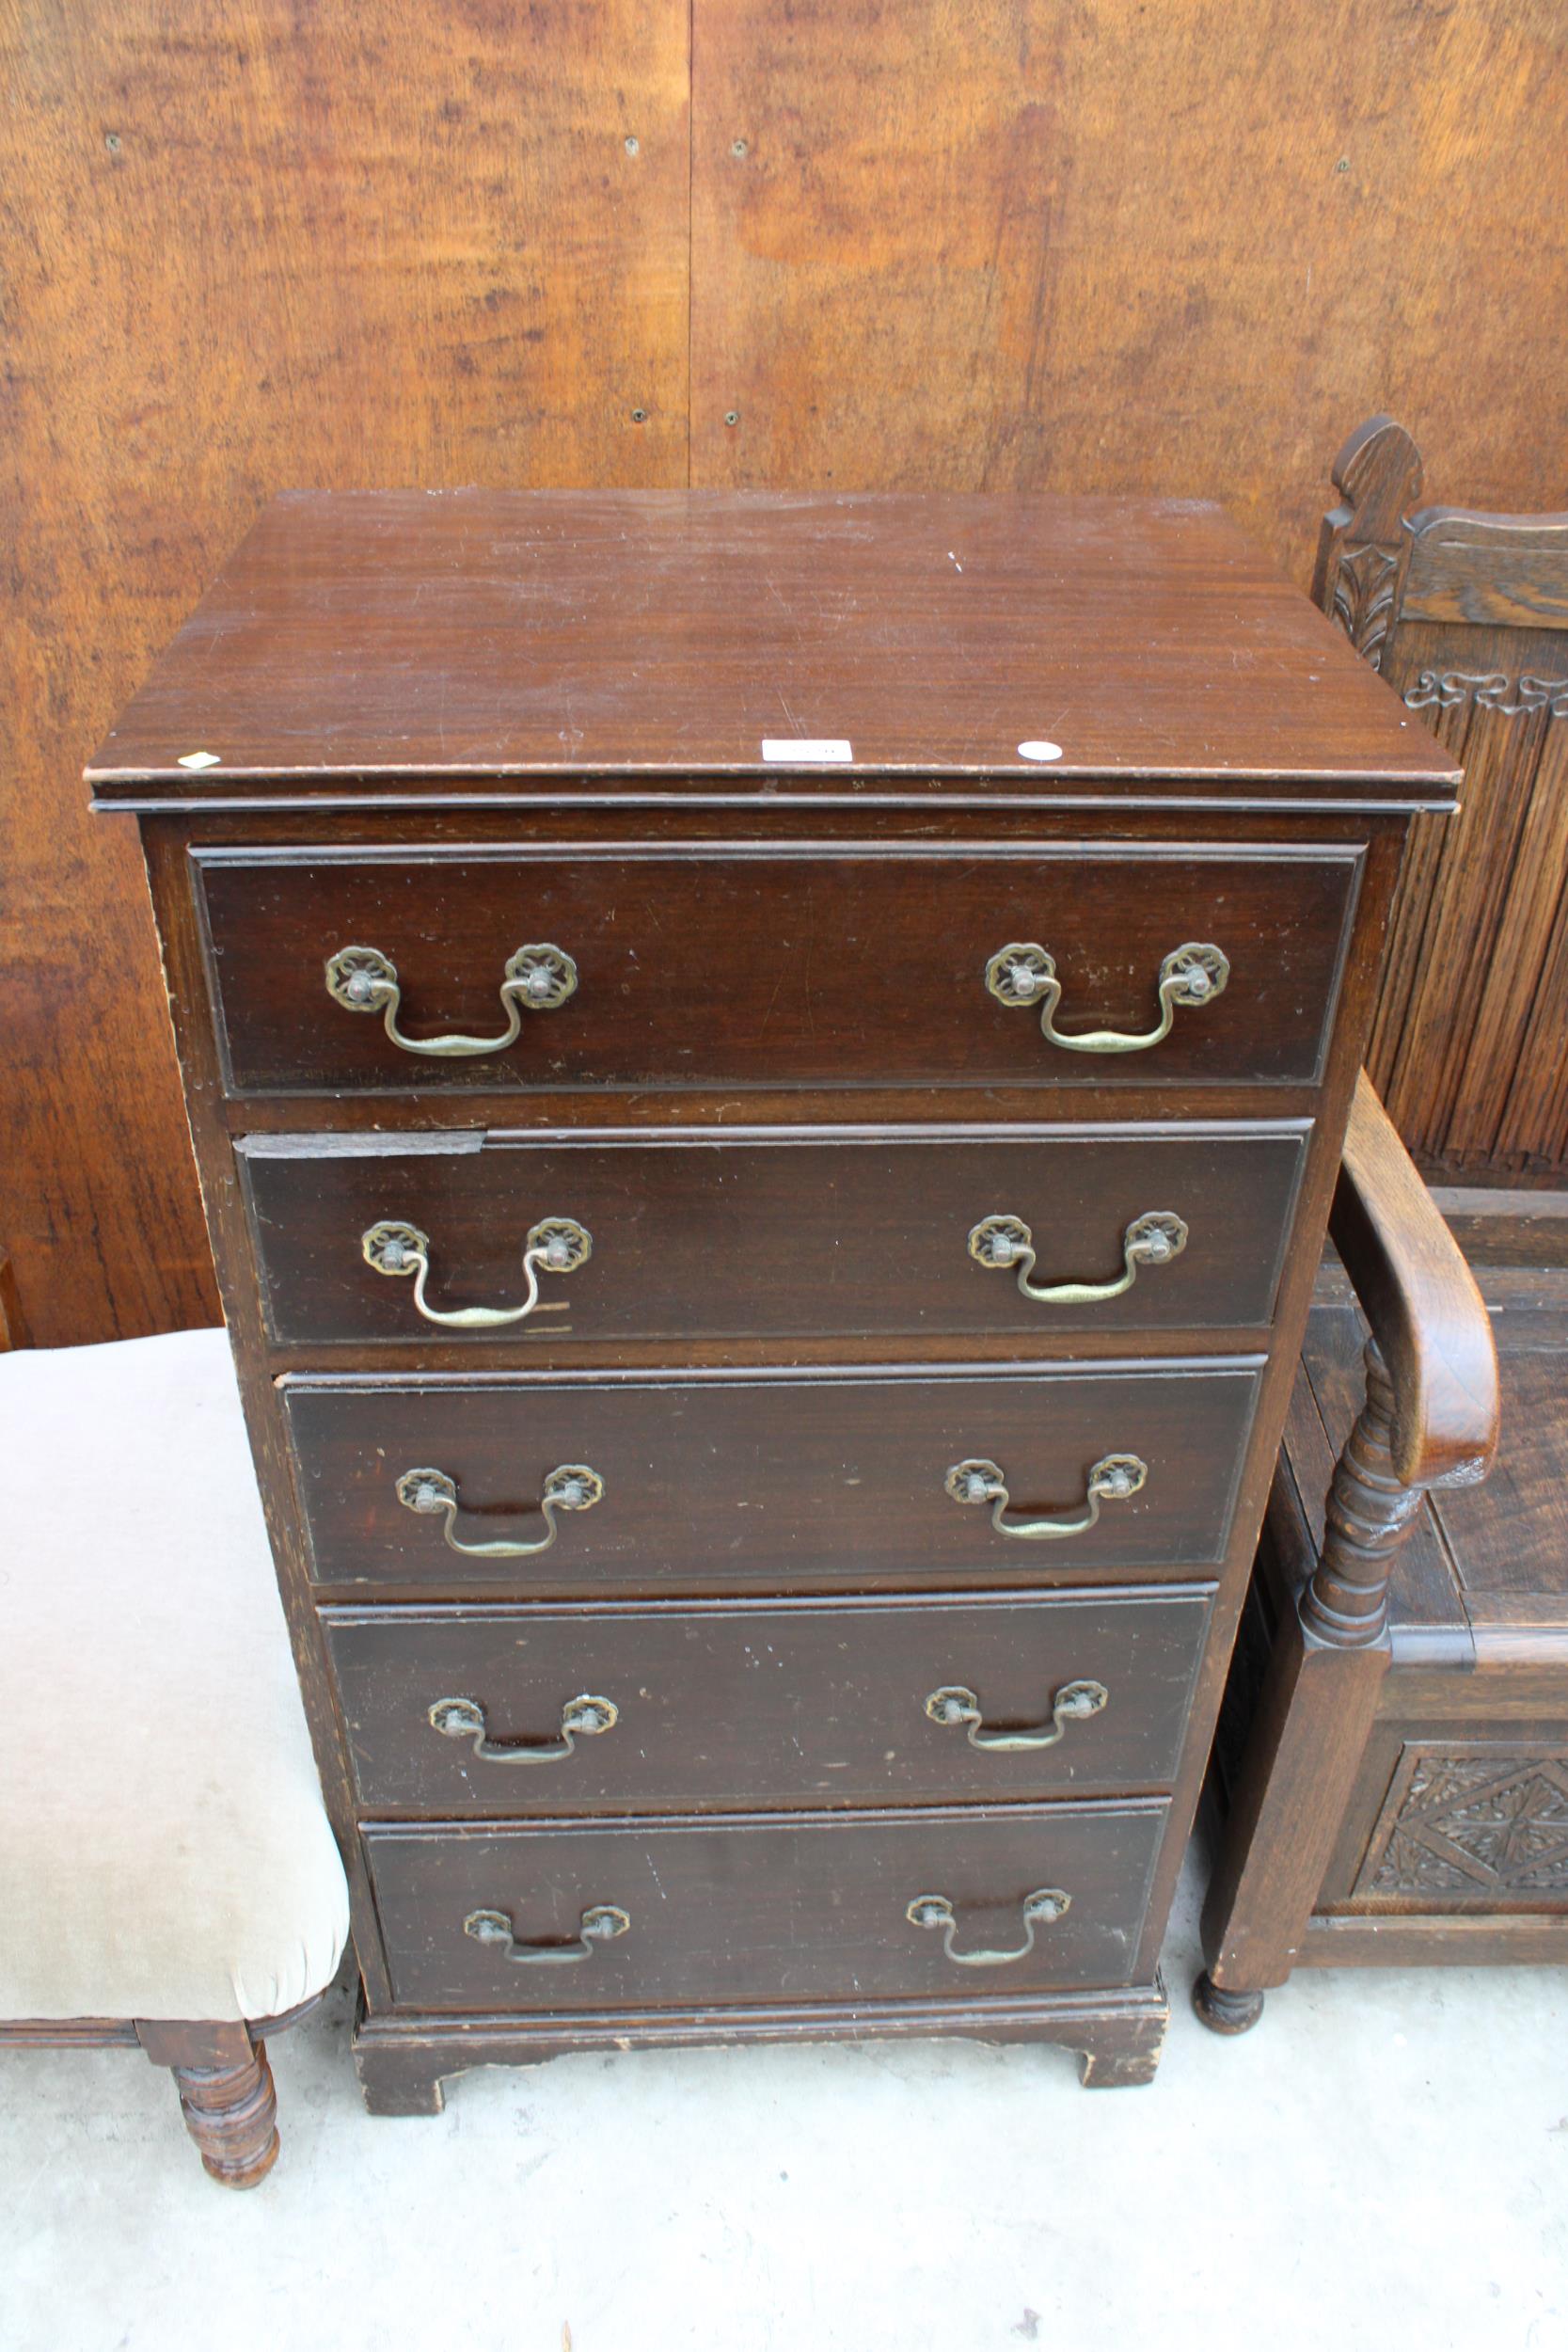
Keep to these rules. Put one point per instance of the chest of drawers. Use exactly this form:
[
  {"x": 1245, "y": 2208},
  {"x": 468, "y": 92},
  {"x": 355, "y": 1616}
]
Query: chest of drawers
[{"x": 766, "y": 1073}]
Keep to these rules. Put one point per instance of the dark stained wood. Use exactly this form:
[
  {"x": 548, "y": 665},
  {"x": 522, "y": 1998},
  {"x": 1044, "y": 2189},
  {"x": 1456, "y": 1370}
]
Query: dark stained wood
[
  {"x": 220, "y": 2069},
  {"x": 1513, "y": 1538},
  {"x": 1362, "y": 545},
  {"x": 487, "y": 635},
  {"x": 792, "y": 1483},
  {"x": 765, "y": 1907},
  {"x": 806, "y": 1234},
  {"x": 780, "y": 1706},
  {"x": 66, "y": 2033},
  {"x": 1465, "y": 614},
  {"x": 1447, "y": 1839},
  {"x": 741, "y": 967},
  {"x": 1482, "y": 1578},
  {"x": 1464, "y": 1942},
  {"x": 1429, "y": 1419},
  {"x": 404, "y": 2061},
  {"x": 1498, "y": 1225},
  {"x": 1108, "y": 2031},
  {"x": 1313, "y": 1713},
  {"x": 226, "y": 2095},
  {"x": 1437, "y": 1784},
  {"x": 1422, "y": 1303},
  {"x": 1426, "y": 1614},
  {"x": 1488, "y": 571},
  {"x": 252, "y": 247},
  {"x": 1218, "y": 1486}
]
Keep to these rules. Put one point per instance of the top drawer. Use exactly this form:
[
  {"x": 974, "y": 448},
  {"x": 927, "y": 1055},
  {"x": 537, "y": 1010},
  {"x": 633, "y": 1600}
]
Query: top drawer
[{"x": 748, "y": 966}]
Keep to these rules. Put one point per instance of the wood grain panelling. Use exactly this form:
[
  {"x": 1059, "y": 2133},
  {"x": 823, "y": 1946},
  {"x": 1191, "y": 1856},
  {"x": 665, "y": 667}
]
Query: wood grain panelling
[
  {"x": 252, "y": 246},
  {"x": 986, "y": 243},
  {"x": 1022, "y": 244},
  {"x": 1471, "y": 1044}
]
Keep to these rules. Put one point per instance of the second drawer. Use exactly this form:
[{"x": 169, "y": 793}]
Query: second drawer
[
  {"x": 520, "y": 1710},
  {"x": 795, "y": 1235}
]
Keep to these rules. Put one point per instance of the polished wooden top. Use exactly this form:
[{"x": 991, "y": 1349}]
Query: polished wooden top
[{"x": 473, "y": 639}]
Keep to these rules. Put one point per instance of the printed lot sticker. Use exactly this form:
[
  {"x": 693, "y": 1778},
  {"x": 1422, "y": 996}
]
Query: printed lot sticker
[{"x": 797, "y": 750}]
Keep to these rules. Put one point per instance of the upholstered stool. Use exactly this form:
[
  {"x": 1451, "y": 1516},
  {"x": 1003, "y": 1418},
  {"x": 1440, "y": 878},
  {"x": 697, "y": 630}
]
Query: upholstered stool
[{"x": 167, "y": 1875}]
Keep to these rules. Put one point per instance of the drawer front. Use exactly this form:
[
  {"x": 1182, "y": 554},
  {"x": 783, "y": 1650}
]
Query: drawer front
[
  {"x": 736, "y": 967},
  {"x": 772, "y": 1481},
  {"x": 773, "y": 1908},
  {"x": 483, "y": 1710},
  {"x": 700, "y": 1238}
]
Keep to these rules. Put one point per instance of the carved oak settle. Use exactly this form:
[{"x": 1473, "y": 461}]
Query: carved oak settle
[
  {"x": 1465, "y": 614},
  {"x": 1393, "y": 1757},
  {"x": 765, "y": 1428}
]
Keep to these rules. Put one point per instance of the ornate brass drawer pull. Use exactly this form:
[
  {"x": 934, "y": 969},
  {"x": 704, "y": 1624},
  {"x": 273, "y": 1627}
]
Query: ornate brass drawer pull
[
  {"x": 583, "y": 1717},
  {"x": 559, "y": 1244},
  {"x": 601, "y": 1924},
  {"x": 573, "y": 1486},
  {"x": 1153, "y": 1239},
  {"x": 936, "y": 1910},
  {"x": 1115, "y": 1478},
  {"x": 538, "y": 979},
  {"x": 1074, "y": 1703},
  {"x": 1025, "y": 974}
]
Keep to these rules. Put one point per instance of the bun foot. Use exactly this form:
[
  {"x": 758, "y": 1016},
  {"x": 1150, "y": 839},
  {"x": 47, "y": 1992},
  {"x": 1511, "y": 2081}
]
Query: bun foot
[{"x": 1224, "y": 2012}]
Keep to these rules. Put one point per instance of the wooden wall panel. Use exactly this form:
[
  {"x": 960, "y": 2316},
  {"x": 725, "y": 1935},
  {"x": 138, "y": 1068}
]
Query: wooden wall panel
[
  {"x": 251, "y": 245},
  {"x": 1091, "y": 244},
  {"x": 1100, "y": 245}
]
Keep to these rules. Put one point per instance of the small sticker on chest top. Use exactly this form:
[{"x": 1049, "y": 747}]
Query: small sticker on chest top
[{"x": 800, "y": 750}]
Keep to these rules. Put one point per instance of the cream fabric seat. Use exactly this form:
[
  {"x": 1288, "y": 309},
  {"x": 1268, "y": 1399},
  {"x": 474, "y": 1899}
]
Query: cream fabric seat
[{"x": 164, "y": 1850}]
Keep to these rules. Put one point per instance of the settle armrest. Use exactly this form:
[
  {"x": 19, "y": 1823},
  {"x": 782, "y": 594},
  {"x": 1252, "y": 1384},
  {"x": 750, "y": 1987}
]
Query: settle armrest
[{"x": 1420, "y": 1298}]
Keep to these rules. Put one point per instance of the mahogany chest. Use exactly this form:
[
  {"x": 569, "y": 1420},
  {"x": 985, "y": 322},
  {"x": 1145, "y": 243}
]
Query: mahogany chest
[{"x": 766, "y": 1073}]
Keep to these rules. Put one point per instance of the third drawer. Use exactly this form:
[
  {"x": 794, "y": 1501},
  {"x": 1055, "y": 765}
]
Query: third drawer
[
  {"x": 670, "y": 1705},
  {"x": 779, "y": 1481}
]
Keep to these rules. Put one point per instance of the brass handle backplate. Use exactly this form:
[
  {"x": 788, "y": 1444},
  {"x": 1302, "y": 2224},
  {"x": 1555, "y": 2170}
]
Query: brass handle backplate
[
  {"x": 571, "y": 1486},
  {"x": 1074, "y": 1703},
  {"x": 583, "y": 1718},
  {"x": 1115, "y": 1478},
  {"x": 1006, "y": 1241},
  {"x": 1024, "y": 972},
  {"x": 559, "y": 1244},
  {"x": 936, "y": 1910},
  {"x": 601, "y": 1924},
  {"x": 538, "y": 979}
]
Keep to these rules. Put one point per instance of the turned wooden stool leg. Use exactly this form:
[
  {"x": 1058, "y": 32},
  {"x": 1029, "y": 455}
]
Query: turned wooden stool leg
[{"x": 226, "y": 2094}]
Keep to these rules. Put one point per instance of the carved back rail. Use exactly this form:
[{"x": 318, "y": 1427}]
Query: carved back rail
[{"x": 1465, "y": 614}]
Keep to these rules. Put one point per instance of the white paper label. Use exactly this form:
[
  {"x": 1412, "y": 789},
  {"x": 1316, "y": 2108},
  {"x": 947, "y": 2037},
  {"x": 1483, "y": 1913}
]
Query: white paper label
[{"x": 797, "y": 750}]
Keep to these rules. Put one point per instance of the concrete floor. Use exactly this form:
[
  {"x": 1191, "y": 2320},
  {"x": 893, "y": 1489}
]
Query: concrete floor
[{"x": 1384, "y": 2163}]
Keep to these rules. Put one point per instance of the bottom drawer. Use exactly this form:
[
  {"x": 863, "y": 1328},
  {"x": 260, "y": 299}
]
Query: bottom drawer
[{"x": 577, "y": 1916}]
